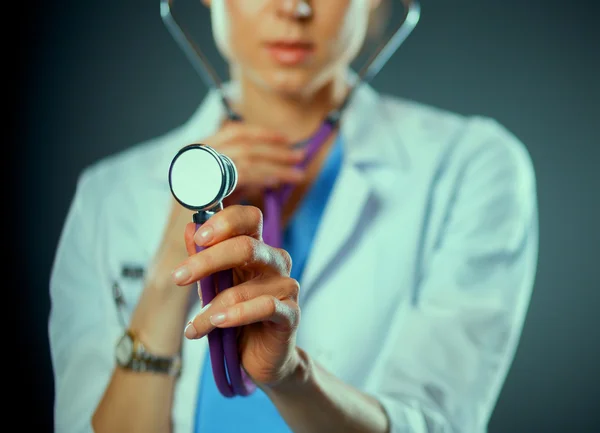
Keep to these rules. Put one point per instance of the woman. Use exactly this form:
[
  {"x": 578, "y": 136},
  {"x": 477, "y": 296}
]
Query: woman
[{"x": 410, "y": 247}]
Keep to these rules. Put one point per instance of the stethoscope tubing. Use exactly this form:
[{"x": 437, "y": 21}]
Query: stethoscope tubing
[{"x": 224, "y": 356}]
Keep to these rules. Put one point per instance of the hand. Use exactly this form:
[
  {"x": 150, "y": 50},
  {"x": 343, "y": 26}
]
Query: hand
[
  {"x": 263, "y": 158},
  {"x": 263, "y": 300},
  {"x": 171, "y": 251}
]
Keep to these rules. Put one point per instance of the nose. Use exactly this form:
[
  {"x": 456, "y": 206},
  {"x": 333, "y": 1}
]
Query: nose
[{"x": 299, "y": 9}]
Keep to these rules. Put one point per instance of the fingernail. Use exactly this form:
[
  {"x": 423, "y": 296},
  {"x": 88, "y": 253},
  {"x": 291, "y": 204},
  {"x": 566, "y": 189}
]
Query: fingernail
[
  {"x": 190, "y": 331},
  {"x": 204, "y": 235},
  {"x": 181, "y": 275},
  {"x": 217, "y": 319}
]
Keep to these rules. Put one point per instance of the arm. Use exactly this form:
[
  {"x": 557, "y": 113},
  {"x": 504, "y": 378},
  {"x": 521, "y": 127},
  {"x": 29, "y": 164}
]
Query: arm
[
  {"x": 84, "y": 328},
  {"x": 142, "y": 401},
  {"x": 313, "y": 400},
  {"x": 447, "y": 354}
]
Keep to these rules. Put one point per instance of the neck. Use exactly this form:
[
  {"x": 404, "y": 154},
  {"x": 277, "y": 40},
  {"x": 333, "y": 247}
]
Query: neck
[{"x": 296, "y": 117}]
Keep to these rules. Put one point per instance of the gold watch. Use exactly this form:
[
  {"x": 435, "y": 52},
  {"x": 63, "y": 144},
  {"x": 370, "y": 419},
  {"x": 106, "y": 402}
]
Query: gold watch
[{"x": 132, "y": 355}]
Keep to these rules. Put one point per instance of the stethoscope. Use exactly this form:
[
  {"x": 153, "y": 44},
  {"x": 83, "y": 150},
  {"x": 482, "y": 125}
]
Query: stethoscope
[{"x": 200, "y": 179}]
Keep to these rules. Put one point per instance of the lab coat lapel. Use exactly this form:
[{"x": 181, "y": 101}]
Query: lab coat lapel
[
  {"x": 367, "y": 149},
  {"x": 339, "y": 222}
]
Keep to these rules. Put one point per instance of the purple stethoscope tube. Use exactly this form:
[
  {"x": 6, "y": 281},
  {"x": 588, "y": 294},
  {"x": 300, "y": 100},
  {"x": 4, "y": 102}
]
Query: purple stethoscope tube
[
  {"x": 230, "y": 378},
  {"x": 275, "y": 199}
]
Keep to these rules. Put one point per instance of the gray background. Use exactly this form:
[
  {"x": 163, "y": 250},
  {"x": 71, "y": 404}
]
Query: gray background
[{"x": 96, "y": 77}]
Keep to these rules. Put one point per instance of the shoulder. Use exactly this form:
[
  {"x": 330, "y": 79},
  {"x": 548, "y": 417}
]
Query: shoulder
[
  {"x": 448, "y": 139},
  {"x": 130, "y": 168},
  {"x": 148, "y": 161},
  {"x": 475, "y": 176},
  {"x": 132, "y": 162}
]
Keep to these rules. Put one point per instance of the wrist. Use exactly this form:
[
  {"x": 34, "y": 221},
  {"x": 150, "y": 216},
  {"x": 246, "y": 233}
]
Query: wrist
[
  {"x": 298, "y": 374},
  {"x": 132, "y": 354},
  {"x": 159, "y": 342}
]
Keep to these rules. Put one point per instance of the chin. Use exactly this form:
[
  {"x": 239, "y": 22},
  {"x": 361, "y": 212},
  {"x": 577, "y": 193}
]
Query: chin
[{"x": 293, "y": 83}]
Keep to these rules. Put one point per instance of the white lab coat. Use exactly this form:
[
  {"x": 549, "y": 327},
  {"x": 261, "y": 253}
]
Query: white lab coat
[{"x": 415, "y": 291}]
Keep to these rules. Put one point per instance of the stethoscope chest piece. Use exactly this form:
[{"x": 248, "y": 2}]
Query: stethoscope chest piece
[{"x": 200, "y": 178}]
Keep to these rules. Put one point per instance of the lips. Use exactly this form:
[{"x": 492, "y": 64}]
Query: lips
[{"x": 290, "y": 53}]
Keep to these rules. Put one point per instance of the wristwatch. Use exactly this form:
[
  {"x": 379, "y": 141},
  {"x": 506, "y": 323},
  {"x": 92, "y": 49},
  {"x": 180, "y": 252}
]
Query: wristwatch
[{"x": 132, "y": 355}]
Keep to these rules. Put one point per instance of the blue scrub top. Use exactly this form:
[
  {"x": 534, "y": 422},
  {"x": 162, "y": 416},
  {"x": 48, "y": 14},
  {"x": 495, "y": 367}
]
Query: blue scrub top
[{"x": 256, "y": 413}]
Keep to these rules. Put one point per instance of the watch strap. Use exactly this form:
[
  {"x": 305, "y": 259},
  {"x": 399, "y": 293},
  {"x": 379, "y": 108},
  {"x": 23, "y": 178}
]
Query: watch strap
[
  {"x": 151, "y": 363},
  {"x": 143, "y": 361}
]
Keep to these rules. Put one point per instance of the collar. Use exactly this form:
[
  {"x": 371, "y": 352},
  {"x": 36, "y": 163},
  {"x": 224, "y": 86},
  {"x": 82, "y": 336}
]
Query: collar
[{"x": 368, "y": 133}]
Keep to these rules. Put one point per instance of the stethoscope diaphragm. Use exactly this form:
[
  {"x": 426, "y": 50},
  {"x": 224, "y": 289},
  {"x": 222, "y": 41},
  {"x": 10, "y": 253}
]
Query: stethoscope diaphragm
[{"x": 200, "y": 178}]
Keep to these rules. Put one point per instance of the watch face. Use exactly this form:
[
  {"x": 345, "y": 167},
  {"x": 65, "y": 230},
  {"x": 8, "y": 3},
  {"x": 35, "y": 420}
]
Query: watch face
[{"x": 124, "y": 350}]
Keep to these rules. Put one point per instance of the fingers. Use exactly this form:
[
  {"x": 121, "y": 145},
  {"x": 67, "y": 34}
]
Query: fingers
[
  {"x": 276, "y": 154},
  {"x": 273, "y": 300},
  {"x": 265, "y": 165},
  {"x": 279, "y": 287},
  {"x": 234, "y": 236},
  {"x": 262, "y": 157},
  {"x": 241, "y": 252},
  {"x": 266, "y": 174},
  {"x": 235, "y": 220},
  {"x": 236, "y": 131}
]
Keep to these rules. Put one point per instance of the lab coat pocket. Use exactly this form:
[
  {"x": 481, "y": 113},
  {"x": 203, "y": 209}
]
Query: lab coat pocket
[{"x": 127, "y": 286}]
